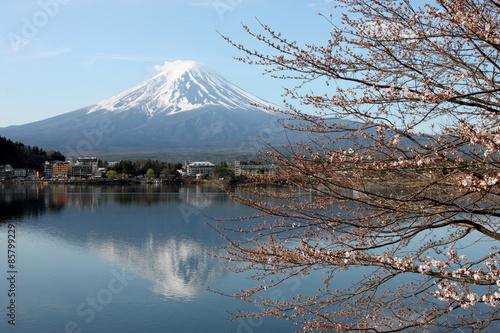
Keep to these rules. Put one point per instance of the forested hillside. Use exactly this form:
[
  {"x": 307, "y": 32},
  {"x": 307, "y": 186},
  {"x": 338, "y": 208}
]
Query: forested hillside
[{"x": 21, "y": 156}]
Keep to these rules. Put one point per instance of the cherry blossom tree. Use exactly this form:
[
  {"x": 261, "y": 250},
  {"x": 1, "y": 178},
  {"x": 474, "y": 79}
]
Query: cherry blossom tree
[{"x": 394, "y": 200}]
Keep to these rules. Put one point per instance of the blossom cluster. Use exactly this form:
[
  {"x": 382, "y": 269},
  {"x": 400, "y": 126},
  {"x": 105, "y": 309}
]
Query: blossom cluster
[
  {"x": 474, "y": 183},
  {"x": 449, "y": 291},
  {"x": 477, "y": 135},
  {"x": 453, "y": 292}
]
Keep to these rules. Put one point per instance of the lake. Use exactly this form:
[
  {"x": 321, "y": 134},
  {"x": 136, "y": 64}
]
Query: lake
[{"x": 119, "y": 259}]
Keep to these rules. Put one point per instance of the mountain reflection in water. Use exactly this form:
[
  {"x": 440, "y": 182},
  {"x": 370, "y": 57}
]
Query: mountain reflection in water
[
  {"x": 177, "y": 267},
  {"x": 165, "y": 248},
  {"x": 74, "y": 240}
]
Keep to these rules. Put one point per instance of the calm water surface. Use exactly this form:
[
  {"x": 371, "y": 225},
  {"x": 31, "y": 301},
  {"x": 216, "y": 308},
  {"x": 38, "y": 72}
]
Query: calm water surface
[{"x": 120, "y": 259}]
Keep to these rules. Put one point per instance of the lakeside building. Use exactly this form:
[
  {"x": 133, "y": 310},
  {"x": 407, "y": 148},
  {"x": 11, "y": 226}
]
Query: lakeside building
[
  {"x": 100, "y": 172},
  {"x": 84, "y": 167},
  {"x": 23, "y": 173},
  {"x": 81, "y": 171},
  {"x": 182, "y": 172},
  {"x": 89, "y": 161},
  {"x": 47, "y": 169},
  {"x": 199, "y": 169},
  {"x": 20, "y": 173},
  {"x": 244, "y": 169},
  {"x": 61, "y": 169},
  {"x": 6, "y": 171}
]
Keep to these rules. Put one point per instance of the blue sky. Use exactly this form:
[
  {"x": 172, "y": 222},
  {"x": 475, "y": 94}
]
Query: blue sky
[{"x": 60, "y": 55}]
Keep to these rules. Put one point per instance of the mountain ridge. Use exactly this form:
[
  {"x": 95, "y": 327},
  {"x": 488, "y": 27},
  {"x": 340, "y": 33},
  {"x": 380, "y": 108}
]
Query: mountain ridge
[{"x": 185, "y": 106}]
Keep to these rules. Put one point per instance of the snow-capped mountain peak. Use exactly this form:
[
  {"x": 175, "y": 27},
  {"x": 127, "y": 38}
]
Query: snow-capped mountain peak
[
  {"x": 185, "y": 108},
  {"x": 180, "y": 86}
]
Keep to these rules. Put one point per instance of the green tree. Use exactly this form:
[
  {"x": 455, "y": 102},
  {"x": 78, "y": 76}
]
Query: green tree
[
  {"x": 111, "y": 174},
  {"x": 125, "y": 167},
  {"x": 20, "y": 156},
  {"x": 171, "y": 174},
  {"x": 222, "y": 170},
  {"x": 150, "y": 173},
  {"x": 56, "y": 156}
]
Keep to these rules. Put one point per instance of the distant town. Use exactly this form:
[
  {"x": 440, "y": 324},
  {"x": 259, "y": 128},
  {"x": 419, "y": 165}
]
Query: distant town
[
  {"x": 31, "y": 163},
  {"x": 85, "y": 168}
]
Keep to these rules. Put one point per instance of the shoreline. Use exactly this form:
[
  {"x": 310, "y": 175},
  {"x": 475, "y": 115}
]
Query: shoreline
[
  {"x": 100, "y": 181},
  {"x": 155, "y": 181}
]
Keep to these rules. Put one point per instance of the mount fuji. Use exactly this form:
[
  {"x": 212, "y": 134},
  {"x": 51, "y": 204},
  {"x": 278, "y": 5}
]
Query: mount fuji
[{"x": 186, "y": 106}]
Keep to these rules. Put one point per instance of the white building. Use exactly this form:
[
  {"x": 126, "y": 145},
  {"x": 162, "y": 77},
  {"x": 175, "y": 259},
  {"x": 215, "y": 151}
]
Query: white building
[
  {"x": 197, "y": 169},
  {"x": 84, "y": 167},
  {"x": 265, "y": 169},
  {"x": 48, "y": 167},
  {"x": 89, "y": 161},
  {"x": 6, "y": 171},
  {"x": 20, "y": 173}
]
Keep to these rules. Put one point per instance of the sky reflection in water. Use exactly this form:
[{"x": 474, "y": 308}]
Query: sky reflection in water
[{"x": 121, "y": 259}]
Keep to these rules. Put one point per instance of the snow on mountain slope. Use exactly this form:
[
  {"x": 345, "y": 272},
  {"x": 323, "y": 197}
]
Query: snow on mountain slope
[
  {"x": 185, "y": 107},
  {"x": 181, "y": 86}
]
